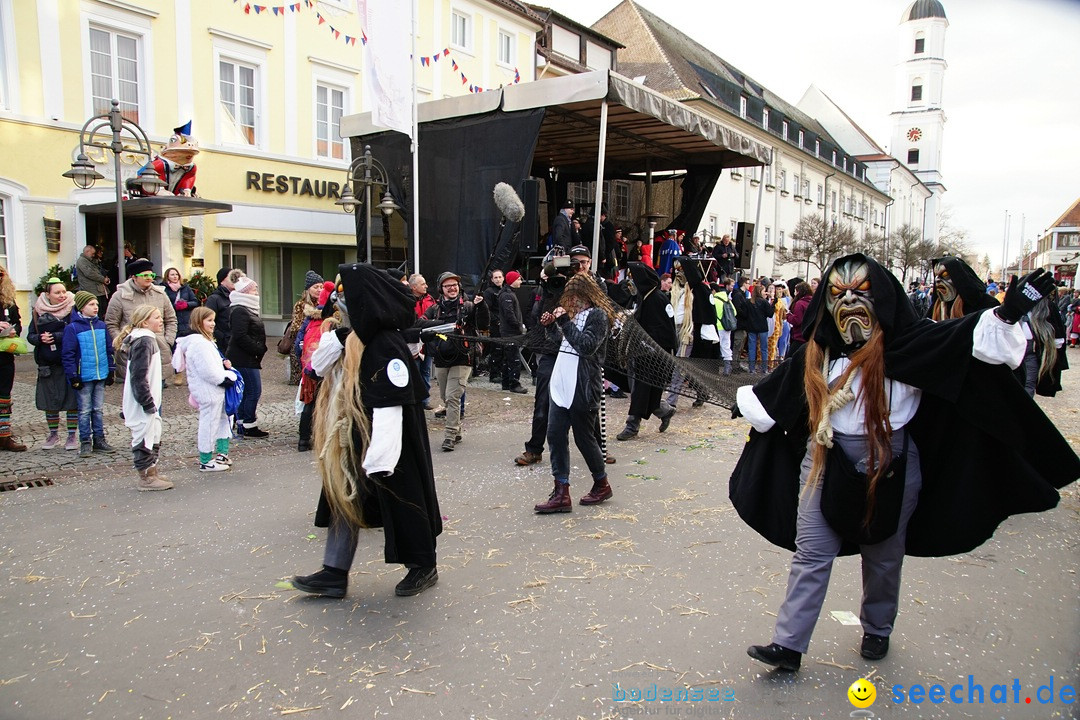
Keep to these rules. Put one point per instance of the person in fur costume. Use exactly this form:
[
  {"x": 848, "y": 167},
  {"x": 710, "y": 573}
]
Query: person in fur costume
[
  {"x": 142, "y": 393},
  {"x": 371, "y": 438}
]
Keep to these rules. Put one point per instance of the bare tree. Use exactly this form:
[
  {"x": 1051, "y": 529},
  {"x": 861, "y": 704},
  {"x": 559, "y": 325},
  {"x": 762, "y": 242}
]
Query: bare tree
[
  {"x": 817, "y": 243},
  {"x": 906, "y": 246},
  {"x": 952, "y": 240}
]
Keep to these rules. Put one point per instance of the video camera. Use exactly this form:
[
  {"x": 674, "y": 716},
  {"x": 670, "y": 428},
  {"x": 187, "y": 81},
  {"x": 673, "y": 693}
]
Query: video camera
[{"x": 564, "y": 264}]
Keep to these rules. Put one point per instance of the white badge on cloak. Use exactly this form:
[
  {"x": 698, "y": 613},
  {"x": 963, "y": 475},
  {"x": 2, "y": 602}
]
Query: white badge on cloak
[
  {"x": 397, "y": 372},
  {"x": 669, "y": 310}
]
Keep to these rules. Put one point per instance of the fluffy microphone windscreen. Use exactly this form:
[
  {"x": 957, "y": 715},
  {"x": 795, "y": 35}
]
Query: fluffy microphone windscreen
[{"x": 508, "y": 202}]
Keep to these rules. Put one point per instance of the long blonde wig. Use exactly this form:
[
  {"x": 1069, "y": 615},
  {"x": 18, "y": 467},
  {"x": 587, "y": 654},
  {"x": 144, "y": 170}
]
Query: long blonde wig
[
  {"x": 7, "y": 288},
  {"x": 339, "y": 413}
]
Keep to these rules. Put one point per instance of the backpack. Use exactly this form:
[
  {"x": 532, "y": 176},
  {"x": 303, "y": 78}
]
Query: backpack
[
  {"x": 727, "y": 314},
  {"x": 233, "y": 395}
]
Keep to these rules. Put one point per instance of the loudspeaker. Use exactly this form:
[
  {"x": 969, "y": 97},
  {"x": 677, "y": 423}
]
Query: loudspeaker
[
  {"x": 744, "y": 242},
  {"x": 530, "y": 224}
]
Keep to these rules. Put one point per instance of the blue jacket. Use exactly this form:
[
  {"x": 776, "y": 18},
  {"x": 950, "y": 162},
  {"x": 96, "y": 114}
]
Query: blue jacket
[{"x": 87, "y": 349}]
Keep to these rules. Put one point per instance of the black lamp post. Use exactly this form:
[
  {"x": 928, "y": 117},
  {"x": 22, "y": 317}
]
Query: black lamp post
[
  {"x": 84, "y": 175},
  {"x": 373, "y": 175}
]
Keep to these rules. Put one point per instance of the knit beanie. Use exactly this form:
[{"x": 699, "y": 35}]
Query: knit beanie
[
  {"x": 81, "y": 298},
  {"x": 243, "y": 284},
  {"x": 312, "y": 278},
  {"x": 512, "y": 277},
  {"x": 222, "y": 274},
  {"x": 139, "y": 266}
]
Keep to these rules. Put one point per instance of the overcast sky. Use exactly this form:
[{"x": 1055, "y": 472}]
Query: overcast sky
[{"x": 1011, "y": 94}]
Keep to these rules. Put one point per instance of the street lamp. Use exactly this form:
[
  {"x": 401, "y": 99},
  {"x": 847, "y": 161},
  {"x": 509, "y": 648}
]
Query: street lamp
[
  {"x": 374, "y": 175},
  {"x": 84, "y": 175}
]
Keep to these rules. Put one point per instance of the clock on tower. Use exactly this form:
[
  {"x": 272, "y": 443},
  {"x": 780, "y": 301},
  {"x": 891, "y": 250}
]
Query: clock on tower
[{"x": 914, "y": 134}]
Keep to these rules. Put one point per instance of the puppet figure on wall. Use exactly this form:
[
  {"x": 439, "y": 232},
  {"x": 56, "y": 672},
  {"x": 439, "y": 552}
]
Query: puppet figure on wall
[{"x": 175, "y": 164}]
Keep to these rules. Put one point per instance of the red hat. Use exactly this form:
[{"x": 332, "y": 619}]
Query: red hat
[{"x": 512, "y": 277}]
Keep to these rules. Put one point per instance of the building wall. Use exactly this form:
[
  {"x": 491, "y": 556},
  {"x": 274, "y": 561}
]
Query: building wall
[{"x": 281, "y": 181}]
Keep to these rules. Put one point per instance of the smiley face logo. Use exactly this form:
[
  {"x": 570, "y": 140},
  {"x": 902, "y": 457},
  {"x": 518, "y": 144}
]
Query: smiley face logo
[{"x": 862, "y": 693}]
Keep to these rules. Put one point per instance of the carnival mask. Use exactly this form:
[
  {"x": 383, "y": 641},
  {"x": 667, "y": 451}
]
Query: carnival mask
[
  {"x": 848, "y": 299},
  {"x": 944, "y": 286}
]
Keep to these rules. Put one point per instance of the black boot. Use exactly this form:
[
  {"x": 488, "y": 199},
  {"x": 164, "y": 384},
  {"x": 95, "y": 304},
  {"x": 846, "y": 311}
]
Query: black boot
[
  {"x": 631, "y": 429},
  {"x": 665, "y": 421},
  {"x": 874, "y": 647},
  {"x": 776, "y": 655},
  {"x": 417, "y": 581},
  {"x": 326, "y": 582}
]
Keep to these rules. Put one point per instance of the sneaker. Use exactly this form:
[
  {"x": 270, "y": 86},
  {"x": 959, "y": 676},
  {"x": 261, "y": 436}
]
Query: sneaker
[
  {"x": 417, "y": 581},
  {"x": 777, "y": 656},
  {"x": 322, "y": 583},
  {"x": 86, "y": 448},
  {"x": 212, "y": 467},
  {"x": 874, "y": 647},
  {"x": 72, "y": 442},
  {"x": 255, "y": 432},
  {"x": 100, "y": 444},
  {"x": 51, "y": 441},
  {"x": 448, "y": 445},
  {"x": 222, "y": 459}
]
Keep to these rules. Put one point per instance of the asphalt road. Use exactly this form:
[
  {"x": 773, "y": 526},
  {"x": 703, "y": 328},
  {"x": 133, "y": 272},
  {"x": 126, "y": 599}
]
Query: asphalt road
[{"x": 119, "y": 604}]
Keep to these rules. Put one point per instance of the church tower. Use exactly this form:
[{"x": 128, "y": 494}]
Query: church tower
[{"x": 919, "y": 121}]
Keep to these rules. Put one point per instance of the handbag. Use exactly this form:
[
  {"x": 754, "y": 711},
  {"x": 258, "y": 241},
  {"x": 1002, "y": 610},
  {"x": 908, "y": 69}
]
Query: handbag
[
  {"x": 14, "y": 345},
  {"x": 843, "y": 498},
  {"x": 233, "y": 395},
  {"x": 285, "y": 344}
]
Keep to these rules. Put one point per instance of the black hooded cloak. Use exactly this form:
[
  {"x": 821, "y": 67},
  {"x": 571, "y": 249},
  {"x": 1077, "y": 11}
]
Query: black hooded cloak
[
  {"x": 403, "y": 503},
  {"x": 969, "y": 287},
  {"x": 657, "y": 318},
  {"x": 702, "y": 310},
  {"x": 978, "y": 468}
]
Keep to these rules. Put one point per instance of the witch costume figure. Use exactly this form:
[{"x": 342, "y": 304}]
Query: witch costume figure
[
  {"x": 371, "y": 438},
  {"x": 873, "y": 439},
  {"x": 958, "y": 291}
]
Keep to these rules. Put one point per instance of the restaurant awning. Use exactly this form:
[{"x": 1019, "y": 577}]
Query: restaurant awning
[{"x": 159, "y": 206}]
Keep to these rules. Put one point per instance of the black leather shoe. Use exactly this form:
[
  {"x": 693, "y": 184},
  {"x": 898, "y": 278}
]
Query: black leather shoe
[
  {"x": 874, "y": 647},
  {"x": 417, "y": 581},
  {"x": 322, "y": 583},
  {"x": 666, "y": 420},
  {"x": 519, "y": 389},
  {"x": 776, "y": 655}
]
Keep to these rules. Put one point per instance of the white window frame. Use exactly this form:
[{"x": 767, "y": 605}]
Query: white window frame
[
  {"x": 742, "y": 106},
  {"x": 239, "y": 53},
  {"x": 801, "y": 138},
  {"x": 768, "y": 235},
  {"x": 9, "y": 59},
  {"x": 511, "y": 46},
  {"x": 765, "y": 119},
  {"x": 714, "y": 225},
  {"x": 780, "y": 240},
  {"x": 137, "y": 25},
  {"x": 468, "y": 30},
  {"x": 821, "y": 194},
  {"x": 12, "y": 194},
  {"x": 621, "y": 197},
  {"x": 817, "y": 148},
  {"x": 785, "y": 126},
  {"x": 333, "y": 134},
  {"x": 734, "y": 228}
]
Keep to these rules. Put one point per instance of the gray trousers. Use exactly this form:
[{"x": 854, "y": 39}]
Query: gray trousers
[
  {"x": 341, "y": 540},
  {"x": 816, "y": 546}
]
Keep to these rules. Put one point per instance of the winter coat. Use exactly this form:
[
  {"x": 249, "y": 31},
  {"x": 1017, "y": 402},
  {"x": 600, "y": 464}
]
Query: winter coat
[
  {"x": 183, "y": 315},
  {"x": 218, "y": 301},
  {"x": 86, "y": 350},
  {"x": 509, "y": 323},
  {"x": 247, "y": 342},
  {"x": 796, "y": 316},
  {"x": 90, "y": 276},
  {"x": 122, "y": 307},
  {"x": 205, "y": 369},
  {"x": 142, "y": 388},
  {"x": 48, "y": 355}
]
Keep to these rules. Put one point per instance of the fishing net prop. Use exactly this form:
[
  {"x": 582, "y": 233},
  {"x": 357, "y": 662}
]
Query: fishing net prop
[{"x": 633, "y": 351}]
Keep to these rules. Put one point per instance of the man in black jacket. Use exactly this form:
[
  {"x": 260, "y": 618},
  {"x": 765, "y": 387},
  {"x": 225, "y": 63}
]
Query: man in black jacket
[
  {"x": 654, "y": 313},
  {"x": 218, "y": 301},
  {"x": 561, "y": 231},
  {"x": 453, "y": 356}
]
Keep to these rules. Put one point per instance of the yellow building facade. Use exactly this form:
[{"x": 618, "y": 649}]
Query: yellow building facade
[{"x": 264, "y": 87}]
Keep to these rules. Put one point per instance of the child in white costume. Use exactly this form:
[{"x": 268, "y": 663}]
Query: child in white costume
[{"x": 208, "y": 376}]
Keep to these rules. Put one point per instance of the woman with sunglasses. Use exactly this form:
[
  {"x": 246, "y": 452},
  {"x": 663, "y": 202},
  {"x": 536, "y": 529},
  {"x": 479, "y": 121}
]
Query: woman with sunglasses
[{"x": 139, "y": 289}]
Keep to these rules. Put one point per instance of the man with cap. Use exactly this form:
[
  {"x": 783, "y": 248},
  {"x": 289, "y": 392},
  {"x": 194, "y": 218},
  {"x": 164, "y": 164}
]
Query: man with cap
[
  {"x": 453, "y": 356},
  {"x": 509, "y": 325},
  {"x": 218, "y": 301},
  {"x": 139, "y": 289},
  {"x": 561, "y": 232}
]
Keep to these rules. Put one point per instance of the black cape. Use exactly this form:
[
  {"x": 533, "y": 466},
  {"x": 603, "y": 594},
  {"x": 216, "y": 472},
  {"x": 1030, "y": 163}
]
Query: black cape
[
  {"x": 702, "y": 310},
  {"x": 657, "y": 319},
  {"x": 404, "y": 504},
  {"x": 978, "y": 467}
]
